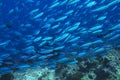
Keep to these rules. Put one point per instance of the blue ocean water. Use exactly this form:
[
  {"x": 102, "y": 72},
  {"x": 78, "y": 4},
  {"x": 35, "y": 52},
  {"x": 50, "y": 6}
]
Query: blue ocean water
[{"x": 46, "y": 32}]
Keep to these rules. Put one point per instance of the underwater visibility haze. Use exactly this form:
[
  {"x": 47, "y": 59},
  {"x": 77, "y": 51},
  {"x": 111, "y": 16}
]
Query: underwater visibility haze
[{"x": 47, "y": 32}]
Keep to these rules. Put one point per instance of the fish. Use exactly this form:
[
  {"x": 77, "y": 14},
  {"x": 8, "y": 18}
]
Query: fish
[
  {"x": 37, "y": 39},
  {"x": 56, "y": 26},
  {"x": 97, "y": 31},
  {"x": 70, "y": 2},
  {"x": 91, "y": 3},
  {"x": 62, "y": 60},
  {"x": 99, "y": 50},
  {"x": 98, "y": 41},
  {"x": 48, "y": 33},
  {"x": 117, "y": 26},
  {"x": 58, "y": 48},
  {"x": 61, "y": 18},
  {"x": 5, "y": 43},
  {"x": 44, "y": 51},
  {"x": 81, "y": 54},
  {"x": 33, "y": 11},
  {"x": 11, "y": 11},
  {"x": 61, "y": 37},
  {"x": 54, "y": 5},
  {"x": 23, "y": 66},
  {"x": 29, "y": 50},
  {"x": 73, "y": 62},
  {"x": 105, "y": 34},
  {"x": 101, "y": 18},
  {"x": 106, "y": 6},
  {"x": 38, "y": 15},
  {"x": 74, "y": 39},
  {"x": 95, "y": 28},
  {"x": 69, "y": 12},
  {"x": 75, "y": 26},
  {"x": 47, "y": 38},
  {"x": 115, "y": 37}
]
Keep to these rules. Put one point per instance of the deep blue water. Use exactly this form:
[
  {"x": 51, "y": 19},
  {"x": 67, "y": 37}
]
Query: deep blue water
[{"x": 19, "y": 36}]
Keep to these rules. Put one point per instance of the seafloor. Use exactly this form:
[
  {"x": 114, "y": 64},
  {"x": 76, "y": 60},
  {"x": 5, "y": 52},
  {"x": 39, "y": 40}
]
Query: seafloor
[{"x": 102, "y": 68}]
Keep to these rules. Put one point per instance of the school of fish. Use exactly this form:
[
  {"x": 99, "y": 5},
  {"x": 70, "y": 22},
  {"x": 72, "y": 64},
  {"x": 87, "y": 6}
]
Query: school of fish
[{"x": 47, "y": 32}]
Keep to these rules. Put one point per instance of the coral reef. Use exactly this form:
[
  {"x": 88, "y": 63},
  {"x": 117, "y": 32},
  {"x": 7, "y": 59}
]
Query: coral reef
[
  {"x": 35, "y": 74},
  {"x": 102, "y": 68}
]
